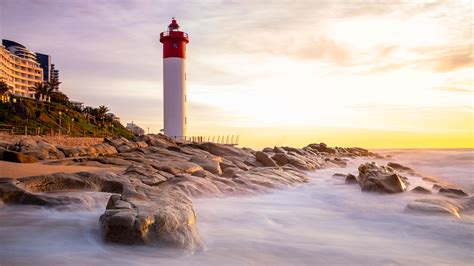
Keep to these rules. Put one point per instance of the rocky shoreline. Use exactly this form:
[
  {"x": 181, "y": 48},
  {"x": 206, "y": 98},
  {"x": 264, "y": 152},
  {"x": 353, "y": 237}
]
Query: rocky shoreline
[{"x": 151, "y": 201}]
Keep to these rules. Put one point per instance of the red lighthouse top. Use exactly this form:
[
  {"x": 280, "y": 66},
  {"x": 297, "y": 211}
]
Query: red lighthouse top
[{"x": 174, "y": 41}]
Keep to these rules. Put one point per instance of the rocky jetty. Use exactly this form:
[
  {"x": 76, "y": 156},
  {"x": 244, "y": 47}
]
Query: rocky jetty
[{"x": 151, "y": 200}]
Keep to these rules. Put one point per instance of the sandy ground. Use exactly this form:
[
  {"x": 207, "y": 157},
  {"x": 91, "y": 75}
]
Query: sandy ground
[{"x": 17, "y": 170}]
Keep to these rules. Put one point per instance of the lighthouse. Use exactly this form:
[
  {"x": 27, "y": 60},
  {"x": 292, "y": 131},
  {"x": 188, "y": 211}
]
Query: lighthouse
[{"x": 174, "y": 81}]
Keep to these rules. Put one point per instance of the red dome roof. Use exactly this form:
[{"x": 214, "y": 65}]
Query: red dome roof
[{"x": 174, "y": 25}]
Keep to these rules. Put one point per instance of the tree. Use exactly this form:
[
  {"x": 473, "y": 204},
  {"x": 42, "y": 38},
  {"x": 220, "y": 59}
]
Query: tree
[
  {"x": 53, "y": 85},
  {"x": 59, "y": 97},
  {"x": 41, "y": 88},
  {"x": 102, "y": 110},
  {"x": 3, "y": 87}
]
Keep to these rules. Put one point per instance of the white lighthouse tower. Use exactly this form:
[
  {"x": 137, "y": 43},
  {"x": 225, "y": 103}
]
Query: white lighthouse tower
[{"x": 174, "y": 80}]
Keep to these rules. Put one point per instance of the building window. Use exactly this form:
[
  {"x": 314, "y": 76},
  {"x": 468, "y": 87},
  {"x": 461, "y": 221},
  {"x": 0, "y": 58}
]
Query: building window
[{"x": 175, "y": 44}]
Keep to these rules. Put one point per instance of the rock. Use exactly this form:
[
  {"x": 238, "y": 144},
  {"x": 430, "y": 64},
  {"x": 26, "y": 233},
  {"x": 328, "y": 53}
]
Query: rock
[
  {"x": 141, "y": 144},
  {"x": 399, "y": 167},
  {"x": 265, "y": 159},
  {"x": 159, "y": 140},
  {"x": 126, "y": 148},
  {"x": 229, "y": 152},
  {"x": 322, "y": 147},
  {"x": 453, "y": 192},
  {"x": 278, "y": 150},
  {"x": 231, "y": 172},
  {"x": 1, "y": 153},
  {"x": 18, "y": 157},
  {"x": 295, "y": 160},
  {"x": 434, "y": 206},
  {"x": 73, "y": 152},
  {"x": 351, "y": 179},
  {"x": 281, "y": 158},
  {"x": 355, "y": 151},
  {"x": 168, "y": 220},
  {"x": 300, "y": 164},
  {"x": 421, "y": 190},
  {"x": 373, "y": 177},
  {"x": 209, "y": 164},
  {"x": 102, "y": 149},
  {"x": 177, "y": 167},
  {"x": 337, "y": 175}
]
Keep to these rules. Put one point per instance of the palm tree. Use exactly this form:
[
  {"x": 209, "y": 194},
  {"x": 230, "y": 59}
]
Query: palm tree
[
  {"x": 3, "y": 87},
  {"x": 103, "y": 110},
  {"x": 53, "y": 85},
  {"x": 41, "y": 88}
]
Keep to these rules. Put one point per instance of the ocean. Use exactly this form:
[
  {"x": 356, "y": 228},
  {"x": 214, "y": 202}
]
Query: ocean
[{"x": 323, "y": 222}]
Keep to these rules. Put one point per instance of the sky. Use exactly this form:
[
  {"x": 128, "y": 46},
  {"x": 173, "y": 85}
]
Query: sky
[{"x": 377, "y": 74}]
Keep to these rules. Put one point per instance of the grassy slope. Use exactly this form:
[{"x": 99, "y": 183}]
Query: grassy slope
[{"x": 36, "y": 114}]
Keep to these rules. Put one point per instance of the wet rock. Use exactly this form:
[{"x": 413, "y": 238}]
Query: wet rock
[
  {"x": 265, "y": 159},
  {"x": 453, "y": 192},
  {"x": 421, "y": 190},
  {"x": 399, "y": 167},
  {"x": 435, "y": 206},
  {"x": 351, "y": 179},
  {"x": 168, "y": 220},
  {"x": 18, "y": 157},
  {"x": 373, "y": 177}
]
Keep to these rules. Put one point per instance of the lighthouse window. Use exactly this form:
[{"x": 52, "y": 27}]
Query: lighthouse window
[{"x": 175, "y": 44}]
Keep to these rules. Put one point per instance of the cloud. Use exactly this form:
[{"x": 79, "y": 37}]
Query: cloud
[
  {"x": 452, "y": 60},
  {"x": 454, "y": 89},
  {"x": 324, "y": 49}
]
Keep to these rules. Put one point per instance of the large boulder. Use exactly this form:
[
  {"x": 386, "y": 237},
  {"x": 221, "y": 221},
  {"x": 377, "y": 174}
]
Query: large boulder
[
  {"x": 136, "y": 214},
  {"x": 265, "y": 159},
  {"x": 166, "y": 218},
  {"x": 373, "y": 177},
  {"x": 18, "y": 157},
  {"x": 73, "y": 151}
]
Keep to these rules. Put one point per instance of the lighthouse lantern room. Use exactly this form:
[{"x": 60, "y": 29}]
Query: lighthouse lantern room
[{"x": 174, "y": 81}]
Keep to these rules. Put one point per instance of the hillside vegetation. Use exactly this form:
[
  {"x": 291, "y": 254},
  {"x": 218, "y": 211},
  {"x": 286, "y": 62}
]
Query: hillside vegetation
[{"x": 49, "y": 118}]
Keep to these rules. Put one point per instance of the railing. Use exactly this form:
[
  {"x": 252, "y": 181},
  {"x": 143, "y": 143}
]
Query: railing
[{"x": 232, "y": 140}]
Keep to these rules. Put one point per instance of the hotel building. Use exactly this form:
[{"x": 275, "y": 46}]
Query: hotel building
[{"x": 19, "y": 69}]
